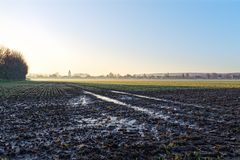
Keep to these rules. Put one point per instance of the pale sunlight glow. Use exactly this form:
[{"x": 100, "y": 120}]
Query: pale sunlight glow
[{"x": 98, "y": 37}]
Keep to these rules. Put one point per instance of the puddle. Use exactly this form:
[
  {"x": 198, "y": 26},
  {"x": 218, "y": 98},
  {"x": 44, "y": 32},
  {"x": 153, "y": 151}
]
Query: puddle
[
  {"x": 125, "y": 97},
  {"x": 1, "y": 109},
  {"x": 106, "y": 98},
  {"x": 79, "y": 101},
  {"x": 158, "y": 99},
  {"x": 149, "y": 112},
  {"x": 155, "y": 132},
  {"x": 144, "y": 110},
  {"x": 112, "y": 124}
]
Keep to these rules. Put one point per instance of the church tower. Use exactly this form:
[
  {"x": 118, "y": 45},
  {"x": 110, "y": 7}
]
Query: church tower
[{"x": 69, "y": 74}]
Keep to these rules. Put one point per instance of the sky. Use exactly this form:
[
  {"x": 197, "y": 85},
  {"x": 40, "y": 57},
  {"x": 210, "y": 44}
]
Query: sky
[{"x": 123, "y": 36}]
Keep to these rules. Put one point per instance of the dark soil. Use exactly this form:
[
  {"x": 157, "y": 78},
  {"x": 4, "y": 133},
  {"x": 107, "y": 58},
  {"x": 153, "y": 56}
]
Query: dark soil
[{"x": 76, "y": 125}]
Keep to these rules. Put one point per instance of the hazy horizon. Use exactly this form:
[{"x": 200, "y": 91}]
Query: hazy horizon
[
  {"x": 119, "y": 36},
  {"x": 159, "y": 73}
]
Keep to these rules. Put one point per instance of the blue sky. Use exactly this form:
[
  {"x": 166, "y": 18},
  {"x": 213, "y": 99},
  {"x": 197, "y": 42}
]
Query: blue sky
[{"x": 124, "y": 36}]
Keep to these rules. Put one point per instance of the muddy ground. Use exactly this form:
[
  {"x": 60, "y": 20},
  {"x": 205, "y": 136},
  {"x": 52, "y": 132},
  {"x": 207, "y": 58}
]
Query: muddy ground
[{"x": 82, "y": 123}]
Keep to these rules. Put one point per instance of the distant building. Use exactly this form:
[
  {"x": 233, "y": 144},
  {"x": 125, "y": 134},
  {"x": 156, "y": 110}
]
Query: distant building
[
  {"x": 69, "y": 74},
  {"x": 81, "y": 75},
  {"x": 55, "y": 75}
]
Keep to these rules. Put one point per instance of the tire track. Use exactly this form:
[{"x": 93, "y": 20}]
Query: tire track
[
  {"x": 164, "y": 100},
  {"x": 177, "y": 107},
  {"x": 153, "y": 114}
]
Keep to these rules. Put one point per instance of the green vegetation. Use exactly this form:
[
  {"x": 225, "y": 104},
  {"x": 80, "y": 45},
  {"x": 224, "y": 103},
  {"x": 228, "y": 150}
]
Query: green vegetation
[
  {"x": 151, "y": 85},
  {"x": 58, "y": 86},
  {"x": 26, "y": 88}
]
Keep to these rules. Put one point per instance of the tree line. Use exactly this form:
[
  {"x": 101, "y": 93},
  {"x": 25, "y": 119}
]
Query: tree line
[{"x": 12, "y": 65}]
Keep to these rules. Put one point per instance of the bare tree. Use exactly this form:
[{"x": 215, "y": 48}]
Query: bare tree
[{"x": 12, "y": 65}]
